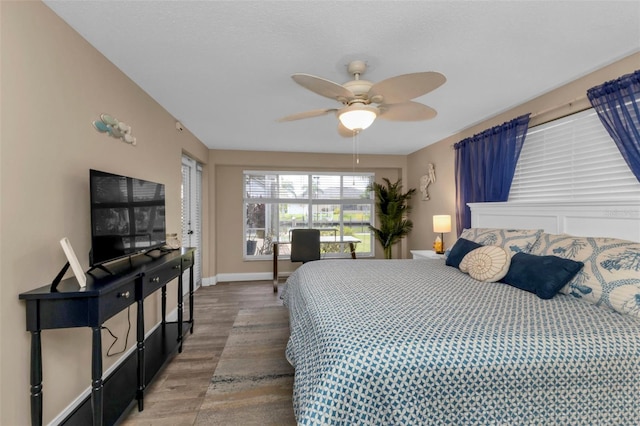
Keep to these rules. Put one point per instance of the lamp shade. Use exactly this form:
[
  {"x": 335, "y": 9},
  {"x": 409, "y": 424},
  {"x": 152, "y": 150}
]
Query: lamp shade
[
  {"x": 357, "y": 116},
  {"x": 442, "y": 223}
]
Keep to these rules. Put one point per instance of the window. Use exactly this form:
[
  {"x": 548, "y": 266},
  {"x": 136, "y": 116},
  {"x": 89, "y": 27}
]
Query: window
[
  {"x": 339, "y": 204},
  {"x": 572, "y": 159}
]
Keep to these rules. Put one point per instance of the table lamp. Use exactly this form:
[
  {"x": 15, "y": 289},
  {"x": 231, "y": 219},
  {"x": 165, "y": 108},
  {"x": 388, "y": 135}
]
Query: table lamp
[{"x": 441, "y": 224}]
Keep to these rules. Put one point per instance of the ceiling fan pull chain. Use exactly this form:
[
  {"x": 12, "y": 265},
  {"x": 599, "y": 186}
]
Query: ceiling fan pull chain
[
  {"x": 353, "y": 151},
  {"x": 357, "y": 148},
  {"x": 356, "y": 156}
]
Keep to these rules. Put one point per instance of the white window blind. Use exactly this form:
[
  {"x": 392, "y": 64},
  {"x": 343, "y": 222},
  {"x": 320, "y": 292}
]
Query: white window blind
[
  {"x": 197, "y": 273},
  {"x": 572, "y": 159},
  {"x": 192, "y": 212}
]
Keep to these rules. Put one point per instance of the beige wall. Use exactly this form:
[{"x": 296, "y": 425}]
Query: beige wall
[
  {"x": 226, "y": 192},
  {"x": 562, "y": 101},
  {"x": 53, "y": 85},
  {"x": 442, "y": 195}
]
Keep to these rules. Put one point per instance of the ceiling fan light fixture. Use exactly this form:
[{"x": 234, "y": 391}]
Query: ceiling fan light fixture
[
  {"x": 363, "y": 101},
  {"x": 358, "y": 117}
]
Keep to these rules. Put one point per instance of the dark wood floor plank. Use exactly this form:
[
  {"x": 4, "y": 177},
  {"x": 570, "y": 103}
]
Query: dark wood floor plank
[{"x": 254, "y": 382}]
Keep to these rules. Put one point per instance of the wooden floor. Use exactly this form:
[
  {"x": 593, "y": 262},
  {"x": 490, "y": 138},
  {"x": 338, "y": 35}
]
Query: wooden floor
[{"x": 192, "y": 389}]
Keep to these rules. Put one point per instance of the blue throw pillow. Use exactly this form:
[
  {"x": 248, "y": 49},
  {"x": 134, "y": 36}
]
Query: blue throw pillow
[
  {"x": 542, "y": 275},
  {"x": 460, "y": 250}
]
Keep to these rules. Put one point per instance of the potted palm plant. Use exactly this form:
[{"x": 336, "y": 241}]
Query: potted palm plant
[{"x": 392, "y": 207}]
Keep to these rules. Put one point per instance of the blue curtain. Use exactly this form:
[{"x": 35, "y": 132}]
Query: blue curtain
[
  {"x": 617, "y": 104},
  {"x": 485, "y": 164}
]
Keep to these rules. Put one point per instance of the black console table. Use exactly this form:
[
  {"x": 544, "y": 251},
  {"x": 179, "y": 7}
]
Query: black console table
[{"x": 130, "y": 281}]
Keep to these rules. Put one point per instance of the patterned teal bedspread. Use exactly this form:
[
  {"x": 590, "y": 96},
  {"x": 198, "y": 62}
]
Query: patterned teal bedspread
[{"x": 415, "y": 342}]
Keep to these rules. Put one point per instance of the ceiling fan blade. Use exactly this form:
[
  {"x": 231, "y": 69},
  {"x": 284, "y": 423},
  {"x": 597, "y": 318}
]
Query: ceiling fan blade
[
  {"x": 406, "y": 111},
  {"x": 407, "y": 86},
  {"x": 307, "y": 114},
  {"x": 343, "y": 131},
  {"x": 323, "y": 87}
]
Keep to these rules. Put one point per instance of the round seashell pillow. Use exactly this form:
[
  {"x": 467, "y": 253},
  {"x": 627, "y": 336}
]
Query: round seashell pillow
[
  {"x": 487, "y": 263},
  {"x": 464, "y": 263}
]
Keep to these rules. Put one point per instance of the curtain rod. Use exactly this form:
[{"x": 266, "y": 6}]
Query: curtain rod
[
  {"x": 569, "y": 104},
  {"x": 564, "y": 105},
  {"x": 555, "y": 108}
]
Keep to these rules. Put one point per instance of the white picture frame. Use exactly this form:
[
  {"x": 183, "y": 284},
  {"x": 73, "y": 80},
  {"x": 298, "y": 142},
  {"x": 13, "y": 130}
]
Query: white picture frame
[{"x": 73, "y": 261}]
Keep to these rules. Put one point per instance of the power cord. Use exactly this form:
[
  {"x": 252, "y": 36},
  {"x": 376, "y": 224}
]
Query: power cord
[{"x": 115, "y": 338}]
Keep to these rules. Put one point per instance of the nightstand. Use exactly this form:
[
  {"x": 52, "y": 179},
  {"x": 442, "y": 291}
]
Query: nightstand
[{"x": 426, "y": 254}]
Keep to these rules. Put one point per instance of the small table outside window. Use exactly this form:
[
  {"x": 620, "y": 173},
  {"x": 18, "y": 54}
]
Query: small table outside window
[{"x": 324, "y": 239}]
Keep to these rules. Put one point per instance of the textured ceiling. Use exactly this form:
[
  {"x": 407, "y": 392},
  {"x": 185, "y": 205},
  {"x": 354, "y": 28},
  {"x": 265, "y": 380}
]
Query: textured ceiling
[{"x": 222, "y": 68}]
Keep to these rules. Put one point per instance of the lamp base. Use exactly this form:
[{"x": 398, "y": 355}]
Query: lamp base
[{"x": 438, "y": 246}]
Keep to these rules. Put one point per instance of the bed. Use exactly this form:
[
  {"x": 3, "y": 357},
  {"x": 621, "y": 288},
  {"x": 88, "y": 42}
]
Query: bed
[{"x": 405, "y": 342}]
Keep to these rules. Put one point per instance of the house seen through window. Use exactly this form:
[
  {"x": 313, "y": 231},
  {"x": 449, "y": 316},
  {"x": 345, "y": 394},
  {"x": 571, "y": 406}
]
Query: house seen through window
[{"x": 338, "y": 204}]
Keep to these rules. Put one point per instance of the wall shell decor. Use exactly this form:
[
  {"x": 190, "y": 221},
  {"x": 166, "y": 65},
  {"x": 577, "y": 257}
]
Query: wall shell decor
[
  {"x": 114, "y": 128},
  {"x": 427, "y": 180}
]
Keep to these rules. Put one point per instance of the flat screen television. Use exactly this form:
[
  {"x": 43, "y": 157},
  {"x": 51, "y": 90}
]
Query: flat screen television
[{"x": 127, "y": 216}]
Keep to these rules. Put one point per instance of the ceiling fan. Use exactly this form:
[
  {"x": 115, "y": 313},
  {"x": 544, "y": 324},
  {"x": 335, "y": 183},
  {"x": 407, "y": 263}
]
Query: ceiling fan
[{"x": 363, "y": 101}]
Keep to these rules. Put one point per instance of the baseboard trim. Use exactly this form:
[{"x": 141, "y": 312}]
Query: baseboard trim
[
  {"x": 209, "y": 281},
  {"x": 254, "y": 276},
  {"x": 243, "y": 276}
]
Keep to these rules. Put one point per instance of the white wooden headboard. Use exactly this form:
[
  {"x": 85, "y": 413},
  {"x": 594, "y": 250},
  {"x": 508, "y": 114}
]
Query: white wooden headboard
[{"x": 584, "y": 219}]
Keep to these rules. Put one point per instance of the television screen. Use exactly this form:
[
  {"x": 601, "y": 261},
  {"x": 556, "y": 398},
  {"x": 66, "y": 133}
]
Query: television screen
[{"x": 127, "y": 216}]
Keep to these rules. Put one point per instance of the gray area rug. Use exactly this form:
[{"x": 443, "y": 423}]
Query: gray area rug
[{"x": 253, "y": 382}]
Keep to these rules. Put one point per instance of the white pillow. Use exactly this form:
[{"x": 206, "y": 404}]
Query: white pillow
[{"x": 487, "y": 263}]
